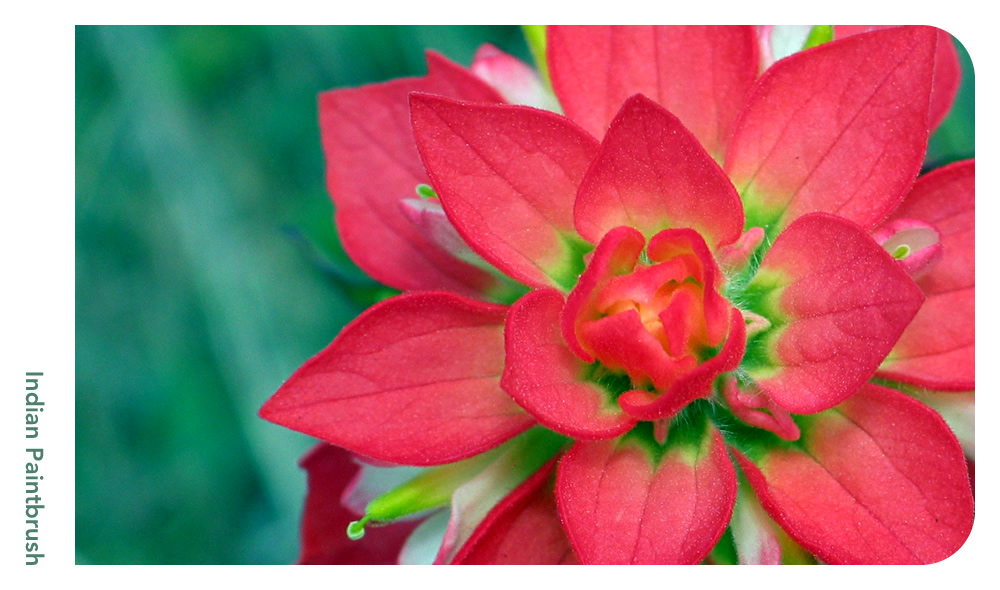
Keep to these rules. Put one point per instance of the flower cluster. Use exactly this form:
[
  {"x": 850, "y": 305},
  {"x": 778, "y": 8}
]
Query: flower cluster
[{"x": 696, "y": 305}]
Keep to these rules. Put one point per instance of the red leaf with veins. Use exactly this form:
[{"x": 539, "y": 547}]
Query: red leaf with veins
[
  {"x": 616, "y": 255},
  {"x": 947, "y": 70},
  {"x": 414, "y": 380},
  {"x": 619, "y": 505},
  {"x": 879, "y": 479},
  {"x": 372, "y": 164},
  {"x": 840, "y": 128},
  {"x": 507, "y": 177},
  {"x": 652, "y": 174},
  {"x": 544, "y": 376},
  {"x": 325, "y": 518},
  {"x": 701, "y": 74},
  {"x": 837, "y": 302}
]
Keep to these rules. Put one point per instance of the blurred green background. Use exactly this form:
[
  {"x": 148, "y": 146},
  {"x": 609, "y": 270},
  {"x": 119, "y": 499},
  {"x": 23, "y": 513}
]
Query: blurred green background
[{"x": 207, "y": 270}]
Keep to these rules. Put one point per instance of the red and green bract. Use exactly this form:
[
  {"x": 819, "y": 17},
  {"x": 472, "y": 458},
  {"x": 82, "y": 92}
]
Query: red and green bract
[{"x": 687, "y": 278}]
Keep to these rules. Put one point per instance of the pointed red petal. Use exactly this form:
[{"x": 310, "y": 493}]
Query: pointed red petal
[
  {"x": 837, "y": 303},
  {"x": 523, "y": 529},
  {"x": 701, "y": 74},
  {"x": 507, "y": 177},
  {"x": 372, "y": 163},
  {"x": 938, "y": 348},
  {"x": 548, "y": 380},
  {"x": 616, "y": 254},
  {"x": 947, "y": 70},
  {"x": 652, "y": 174},
  {"x": 325, "y": 519},
  {"x": 623, "y": 344},
  {"x": 621, "y": 506},
  {"x": 414, "y": 380},
  {"x": 879, "y": 479},
  {"x": 841, "y": 128}
]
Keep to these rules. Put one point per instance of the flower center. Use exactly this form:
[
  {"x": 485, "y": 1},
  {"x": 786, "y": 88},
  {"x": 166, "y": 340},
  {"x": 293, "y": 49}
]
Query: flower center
[{"x": 655, "y": 321}]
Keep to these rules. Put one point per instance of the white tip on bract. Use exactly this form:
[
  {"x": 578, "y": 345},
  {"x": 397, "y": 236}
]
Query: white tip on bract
[{"x": 517, "y": 82}]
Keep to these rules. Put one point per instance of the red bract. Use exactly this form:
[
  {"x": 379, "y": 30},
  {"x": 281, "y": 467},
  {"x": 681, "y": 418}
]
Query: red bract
[
  {"x": 733, "y": 291},
  {"x": 331, "y": 470}
]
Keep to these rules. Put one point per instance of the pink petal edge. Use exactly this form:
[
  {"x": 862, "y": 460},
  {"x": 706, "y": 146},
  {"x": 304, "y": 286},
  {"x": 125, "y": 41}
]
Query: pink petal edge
[
  {"x": 372, "y": 164},
  {"x": 507, "y": 177}
]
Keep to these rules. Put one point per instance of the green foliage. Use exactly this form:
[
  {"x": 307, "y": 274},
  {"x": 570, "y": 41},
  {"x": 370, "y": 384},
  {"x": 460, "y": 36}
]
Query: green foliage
[
  {"x": 207, "y": 271},
  {"x": 535, "y": 36},
  {"x": 818, "y": 35}
]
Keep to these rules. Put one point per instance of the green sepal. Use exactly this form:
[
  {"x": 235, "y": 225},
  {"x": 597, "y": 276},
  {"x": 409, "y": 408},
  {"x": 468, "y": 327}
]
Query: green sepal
[
  {"x": 762, "y": 296},
  {"x": 689, "y": 434},
  {"x": 759, "y": 212},
  {"x": 755, "y": 443},
  {"x": 426, "y": 191},
  {"x": 522, "y": 456},
  {"x": 535, "y": 37},
  {"x": 527, "y": 453},
  {"x": 818, "y": 35},
  {"x": 724, "y": 552},
  {"x": 615, "y": 383},
  {"x": 792, "y": 553},
  {"x": 431, "y": 489},
  {"x": 507, "y": 290},
  {"x": 567, "y": 274}
]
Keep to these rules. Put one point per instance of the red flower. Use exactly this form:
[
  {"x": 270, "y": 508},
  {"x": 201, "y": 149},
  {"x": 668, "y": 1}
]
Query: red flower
[{"x": 687, "y": 326}]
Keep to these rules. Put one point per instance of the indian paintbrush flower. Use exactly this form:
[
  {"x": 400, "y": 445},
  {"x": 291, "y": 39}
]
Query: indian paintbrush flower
[{"x": 698, "y": 304}]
